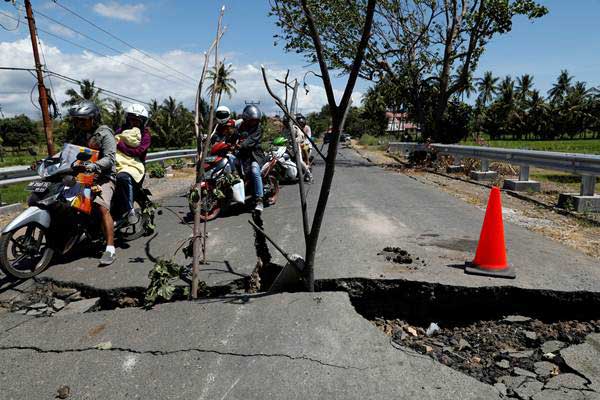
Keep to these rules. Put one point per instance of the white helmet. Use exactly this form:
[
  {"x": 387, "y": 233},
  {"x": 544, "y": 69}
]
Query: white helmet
[
  {"x": 138, "y": 110},
  {"x": 222, "y": 114}
]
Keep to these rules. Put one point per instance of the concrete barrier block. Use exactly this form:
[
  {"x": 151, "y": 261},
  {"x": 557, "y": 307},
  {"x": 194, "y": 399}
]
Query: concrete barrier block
[
  {"x": 575, "y": 202},
  {"x": 522, "y": 186},
  {"x": 483, "y": 176},
  {"x": 455, "y": 169}
]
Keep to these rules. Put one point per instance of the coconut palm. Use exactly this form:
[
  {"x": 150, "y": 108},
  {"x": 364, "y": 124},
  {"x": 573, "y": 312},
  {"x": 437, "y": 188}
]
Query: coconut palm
[
  {"x": 87, "y": 91},
  {"x": 469, "y": 88},
  {"x": 561, "y": 87},
  {"x": 222, "y": 82},
  {"x": 173, "y": 123},
  {"x": 537, "y": 117},
  {"x": 524, "y": 85},
  {"x": 117, "y": 114},
  {"x": 487, "y": 87}
]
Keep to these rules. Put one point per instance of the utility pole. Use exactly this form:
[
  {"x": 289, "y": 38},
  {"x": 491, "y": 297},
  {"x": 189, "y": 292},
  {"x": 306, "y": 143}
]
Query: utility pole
[{"x": 40, "y": 78}]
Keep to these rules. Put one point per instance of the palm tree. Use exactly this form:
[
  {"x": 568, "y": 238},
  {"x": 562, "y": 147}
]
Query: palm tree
[
  {"x": 487, "y": 87},
  {"x": 524, "y": 85},
  {"x": 507, "y": 90},
  {"x": 537, "y": 117},
  {"x": 469, "y": 87},
  {"x": 87, "y": 91},
  {"x": 561, "y": 87},
  {"x": 172, "y": 121},
  {"x": 117, "y": 114},
  {"x": 222, "y": 82}
]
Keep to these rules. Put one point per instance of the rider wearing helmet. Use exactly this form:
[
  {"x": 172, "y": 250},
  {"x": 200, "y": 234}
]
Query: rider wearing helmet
[
  {"x": 306, "y": 144},
  {"x": 136, "y": 116},
  {"x": 250, "y": 152},
  {"x": 85, "y": 117},
  {"x": 222, "y": 114},
  {"x": 225, "y": 131}
]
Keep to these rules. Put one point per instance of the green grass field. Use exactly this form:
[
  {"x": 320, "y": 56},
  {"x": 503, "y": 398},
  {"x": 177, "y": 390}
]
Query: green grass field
[
  {"x": 587, "y": 146},
  {"x": 14, "y": 193}
]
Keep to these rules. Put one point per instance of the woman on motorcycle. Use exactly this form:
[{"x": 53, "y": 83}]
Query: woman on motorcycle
[
  {"x": 131, "y": 157},
  {"x": 226, "y": 132}
]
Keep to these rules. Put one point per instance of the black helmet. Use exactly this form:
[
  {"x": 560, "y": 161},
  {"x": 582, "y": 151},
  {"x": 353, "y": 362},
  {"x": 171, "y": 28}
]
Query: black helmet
[
  {"x": 301, "y": 119},
  {"x": 85, "y": 109},
  {"x": 251, "y": 112}
]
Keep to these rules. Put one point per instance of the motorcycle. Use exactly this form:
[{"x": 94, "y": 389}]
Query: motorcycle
[
  {"x": 285, "y": 169},
  {"x": 59, "y": 217},
  {"x": 224, "y": 186}
]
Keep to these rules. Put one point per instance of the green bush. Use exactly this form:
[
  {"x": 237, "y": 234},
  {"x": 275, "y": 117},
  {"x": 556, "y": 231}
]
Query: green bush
[
  {"x": 368, "y": 140},
  {"x": 178, "y": 163},
  {"x": 156, "y": 170}
]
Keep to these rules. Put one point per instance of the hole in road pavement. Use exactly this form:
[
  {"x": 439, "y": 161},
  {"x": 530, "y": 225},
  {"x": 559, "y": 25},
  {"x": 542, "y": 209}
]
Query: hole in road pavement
[{"x": 472, "y": 332}]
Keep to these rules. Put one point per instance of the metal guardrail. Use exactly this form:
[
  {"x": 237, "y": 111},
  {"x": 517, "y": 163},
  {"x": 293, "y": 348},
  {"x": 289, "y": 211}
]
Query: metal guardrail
[
  {"x": 585, "y": 165},
  {"x": 23, "y": 173}
]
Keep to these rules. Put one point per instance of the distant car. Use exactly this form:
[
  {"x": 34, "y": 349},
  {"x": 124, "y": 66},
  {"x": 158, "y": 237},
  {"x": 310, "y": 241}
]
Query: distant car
[{"x": 345, "y": 138}]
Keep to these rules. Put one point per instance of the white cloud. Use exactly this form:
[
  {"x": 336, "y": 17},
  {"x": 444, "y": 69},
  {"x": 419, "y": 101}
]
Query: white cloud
[
  {"x": 109, "y": 74},
  {"x": 62, "y": 31},
  {"x": 124, "y": 12}
]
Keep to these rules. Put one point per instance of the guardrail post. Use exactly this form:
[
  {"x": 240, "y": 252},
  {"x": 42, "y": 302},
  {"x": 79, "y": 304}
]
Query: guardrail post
[
  {"x": 584, "y": 201},
  {"x": 457, "y": 165},
  {"x": 484, "y": 174},
  {"x": 524, "y": 173},
  {"x": 523, "y": 184},
  {"x": 588, "y": 184}
]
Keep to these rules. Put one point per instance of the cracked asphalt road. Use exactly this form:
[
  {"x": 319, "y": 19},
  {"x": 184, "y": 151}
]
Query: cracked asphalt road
[
  {"x": 283, "y": 346},
  {"x": 287, "y": 345},
  {"x": 369, "y": 209}
]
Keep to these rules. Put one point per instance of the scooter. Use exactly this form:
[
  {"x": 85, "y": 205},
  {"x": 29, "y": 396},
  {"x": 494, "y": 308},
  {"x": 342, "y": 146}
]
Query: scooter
[
  {"x": 224, "y": 186},
  {"x": 285, "y": 169},
  {"x": 59, "y": 217}
]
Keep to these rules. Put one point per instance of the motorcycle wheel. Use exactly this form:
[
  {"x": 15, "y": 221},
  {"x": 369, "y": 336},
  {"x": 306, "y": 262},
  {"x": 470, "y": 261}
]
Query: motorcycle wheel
[
  {"x": 210, "y": 208},
  {"x": 271, "y": 189},
  {"x": 25, "y": 254}
]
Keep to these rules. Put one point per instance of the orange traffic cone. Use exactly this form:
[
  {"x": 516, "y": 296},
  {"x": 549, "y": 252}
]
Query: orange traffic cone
[{"x": 490, "y": 258}]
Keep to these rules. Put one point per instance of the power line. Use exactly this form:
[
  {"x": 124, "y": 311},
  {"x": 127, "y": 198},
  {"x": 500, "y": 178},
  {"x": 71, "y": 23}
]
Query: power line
[
  {"x": 118, "y": 95},
  {"x": 97, "y": 52},
  {"x": 76, "y": 81},
  {"x": 18, "y": 21},
  {"x": 17, "y": 69},
  {"x": 37, "y": 12},
  {"x": 121, "y": 40}
]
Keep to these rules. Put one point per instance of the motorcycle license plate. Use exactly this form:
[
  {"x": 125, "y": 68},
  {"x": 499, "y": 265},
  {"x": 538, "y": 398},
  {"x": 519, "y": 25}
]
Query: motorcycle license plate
[
  {"x": 210, "y": 159},
  {"x": 38, "y": 187}
]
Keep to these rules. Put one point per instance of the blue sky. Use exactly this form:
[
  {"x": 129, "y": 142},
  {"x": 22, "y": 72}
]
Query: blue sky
[{"x": 177, "y": 32}]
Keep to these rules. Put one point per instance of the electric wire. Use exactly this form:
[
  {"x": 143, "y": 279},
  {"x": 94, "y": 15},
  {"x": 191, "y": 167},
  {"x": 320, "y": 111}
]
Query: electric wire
[
  {"x": 18, "y": 21},
  {"x": 98, "y": 53},
  {"x": 122, "y": 41},
  {"x": 108, "y": 93},
  {"x": 53, "y": 92},
  {"x": 107, "y": 46}
]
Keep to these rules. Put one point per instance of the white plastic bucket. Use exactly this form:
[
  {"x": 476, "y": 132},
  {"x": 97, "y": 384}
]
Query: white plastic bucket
[{"x": 239, "y": 194}]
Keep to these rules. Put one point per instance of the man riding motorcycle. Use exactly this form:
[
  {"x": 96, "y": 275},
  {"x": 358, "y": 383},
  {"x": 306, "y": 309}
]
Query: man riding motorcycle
[
  {"x": 85, "y": 117},
  {"x": 136, "y": 116},
  {"x": 250, "y": 152}
]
